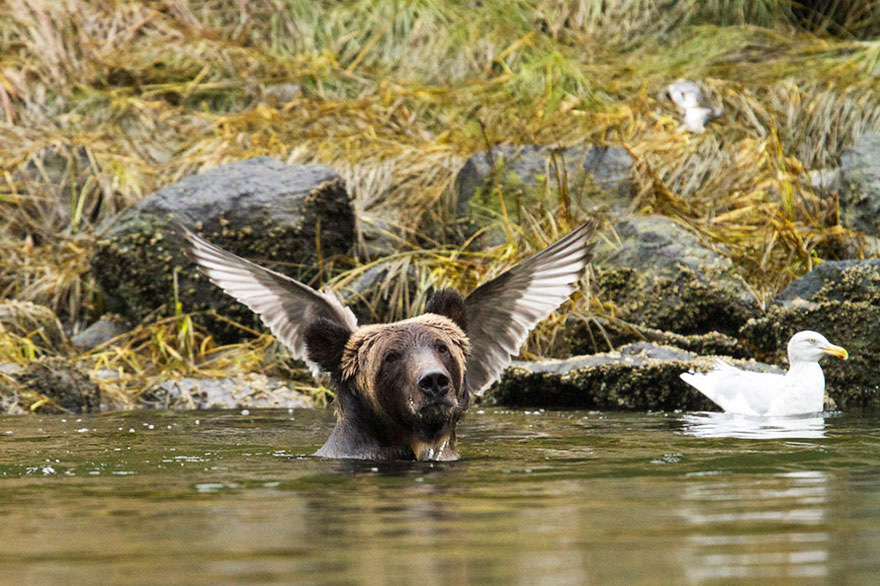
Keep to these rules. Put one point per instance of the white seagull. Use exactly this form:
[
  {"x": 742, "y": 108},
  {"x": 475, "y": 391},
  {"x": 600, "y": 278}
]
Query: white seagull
[
  {"x": 693, "y": 105},
  {"x": 799, "y": 391}
]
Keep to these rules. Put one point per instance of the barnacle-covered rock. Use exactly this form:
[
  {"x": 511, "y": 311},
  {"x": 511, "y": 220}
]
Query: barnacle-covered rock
[
  {"x": 658, "y": 275},
  {"x": 639, "y": 376}
]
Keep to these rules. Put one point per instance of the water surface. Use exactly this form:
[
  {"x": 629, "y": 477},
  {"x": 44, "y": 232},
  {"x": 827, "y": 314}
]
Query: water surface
[{"x": 539, "y": 498}]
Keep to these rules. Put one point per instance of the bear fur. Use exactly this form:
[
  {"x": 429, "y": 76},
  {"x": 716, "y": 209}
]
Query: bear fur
[{"x": 400, "y": 386}]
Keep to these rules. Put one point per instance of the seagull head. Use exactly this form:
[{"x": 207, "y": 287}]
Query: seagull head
[{"x": 810, "y": 346}]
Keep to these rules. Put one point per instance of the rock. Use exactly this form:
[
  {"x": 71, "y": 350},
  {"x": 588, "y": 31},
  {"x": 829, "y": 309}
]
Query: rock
[
  {"x": 385, "y": 292},
  {"x": 10, "y": 368},
  {"x": 844, "y": 280},
  {"x": 253, "y": 390},
  {"x": 841, "y": 300},
  {"x": 379, "y": 234},
  {"x": 594, "y": 175},
  {"x": 639, "y": 376},
  {"x": 260, "y": 208},
  {"x": 37, "y": 323},
  {"x": 67, "y": 388},
  {"x": 9, "y": 389},
  {"x": 661, "y": 277},
  {"x": 278, "y": 94},
  {"x": 601, "y": 335},
  {"x": 860, "y": 185},
  {"x": 826, "y": 180},
  {"x": 106, "y": 328}
]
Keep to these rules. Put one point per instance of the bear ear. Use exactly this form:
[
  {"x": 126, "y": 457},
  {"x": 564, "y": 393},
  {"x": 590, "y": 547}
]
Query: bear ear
[
  {"x": 325, "y": 343},
  {"x": 448, "y": 303}
]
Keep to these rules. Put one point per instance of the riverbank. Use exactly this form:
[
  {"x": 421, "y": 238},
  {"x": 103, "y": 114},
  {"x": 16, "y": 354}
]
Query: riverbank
[{"x": 466, "y": 137}]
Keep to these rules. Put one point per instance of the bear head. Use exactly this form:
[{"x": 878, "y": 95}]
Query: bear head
[{"x": 401, "y": 384}]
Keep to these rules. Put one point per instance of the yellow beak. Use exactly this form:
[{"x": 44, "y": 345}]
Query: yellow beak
[{"x": 837, "y": 351}]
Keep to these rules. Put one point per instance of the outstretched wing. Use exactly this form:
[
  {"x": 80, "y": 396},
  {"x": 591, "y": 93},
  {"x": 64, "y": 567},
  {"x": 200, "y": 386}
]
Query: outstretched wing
[
  {"x": 285, "y": 305},
  {"x": 499, "y": 314}
]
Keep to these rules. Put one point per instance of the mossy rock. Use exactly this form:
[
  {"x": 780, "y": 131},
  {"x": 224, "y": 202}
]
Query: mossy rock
[
  {"x": 530, "y": 177},
  {"x": 58, "y": 386},
  {"x": 595, "y": 335},
  {"x": 844, "y": 280},
  {"x": 638, "y": 377},
  {"x": 283, "y": 217},
  {"x": 658, "y": 275}
]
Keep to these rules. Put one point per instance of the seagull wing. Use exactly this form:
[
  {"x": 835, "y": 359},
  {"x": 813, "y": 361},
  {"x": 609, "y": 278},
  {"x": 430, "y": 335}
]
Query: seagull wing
[
  {"x": 499, "y": 314},
  {"x": 285, "y": 305}
]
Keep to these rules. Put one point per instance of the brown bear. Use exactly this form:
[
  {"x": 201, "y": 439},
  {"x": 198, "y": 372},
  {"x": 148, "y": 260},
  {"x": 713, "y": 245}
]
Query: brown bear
[{"x": 402, "y": 387}]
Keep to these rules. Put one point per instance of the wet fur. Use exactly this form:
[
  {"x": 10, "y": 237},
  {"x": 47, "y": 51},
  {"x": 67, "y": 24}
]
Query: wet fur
[{"x": 381, "y": 414}]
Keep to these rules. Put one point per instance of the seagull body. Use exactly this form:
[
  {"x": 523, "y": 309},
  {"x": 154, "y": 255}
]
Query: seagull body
[
  {"x": 692, "y": 104},
  {"x": 799, "y": 391}
]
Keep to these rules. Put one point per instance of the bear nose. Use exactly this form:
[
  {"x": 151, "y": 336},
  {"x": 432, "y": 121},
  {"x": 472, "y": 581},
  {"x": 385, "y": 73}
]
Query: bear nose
[{"x": 434, "y": 383}]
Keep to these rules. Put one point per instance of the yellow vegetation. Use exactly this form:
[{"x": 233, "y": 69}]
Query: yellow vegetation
[{"x": 103, "y": 102}]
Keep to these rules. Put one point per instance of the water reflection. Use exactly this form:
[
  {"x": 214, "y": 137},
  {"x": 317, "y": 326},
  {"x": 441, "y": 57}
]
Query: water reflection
[
  {"x": 730, "y": 425},
  {"x": 560, "y": 498},
  {"x": 771, "y": 528}
]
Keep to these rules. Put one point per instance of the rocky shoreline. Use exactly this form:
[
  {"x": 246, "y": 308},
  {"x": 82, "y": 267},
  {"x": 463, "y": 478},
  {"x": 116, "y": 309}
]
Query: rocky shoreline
[{"x": 677, "y": 302}]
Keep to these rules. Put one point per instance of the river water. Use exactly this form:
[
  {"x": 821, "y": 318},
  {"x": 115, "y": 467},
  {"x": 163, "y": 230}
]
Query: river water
[{"x": 561, "y": 497}]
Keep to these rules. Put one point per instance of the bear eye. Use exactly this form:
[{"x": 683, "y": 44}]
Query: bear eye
[
  {"x": 442, "y": 348},
  {"x": 391, "y": 356}
]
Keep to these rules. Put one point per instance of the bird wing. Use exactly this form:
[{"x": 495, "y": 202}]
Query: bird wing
[
  {"x": 499, "y": 314},
  {"x": 285, "y": 305},
  {"x": 737, "y": 391}
]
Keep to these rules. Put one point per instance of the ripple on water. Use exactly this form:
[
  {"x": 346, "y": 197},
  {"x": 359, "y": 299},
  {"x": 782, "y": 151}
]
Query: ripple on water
[{"x": 544, "y": 497}]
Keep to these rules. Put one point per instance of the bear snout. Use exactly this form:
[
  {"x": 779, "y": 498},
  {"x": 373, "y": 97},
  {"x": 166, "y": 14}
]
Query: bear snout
[{"x": 434, "y": 383}]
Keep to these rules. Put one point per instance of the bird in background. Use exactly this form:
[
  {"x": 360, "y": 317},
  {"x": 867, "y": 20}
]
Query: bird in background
[
  {"x": 799, "y": 391},
  {"x": 691, "y": 102}
]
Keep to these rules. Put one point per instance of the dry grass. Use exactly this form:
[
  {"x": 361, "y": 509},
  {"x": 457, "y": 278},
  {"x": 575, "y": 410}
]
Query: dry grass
[{"x": 103, "y": 102}]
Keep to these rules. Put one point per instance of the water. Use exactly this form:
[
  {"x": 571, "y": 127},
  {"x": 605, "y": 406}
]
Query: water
[{"x": 539, "y": 498}]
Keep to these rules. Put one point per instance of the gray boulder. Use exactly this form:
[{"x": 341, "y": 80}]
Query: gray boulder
[
  {"x": 860, "y": 185},
  {"x": 660, "y": 276},
  {"x": 262, "y": 209},
  {"x": 532, "y": 177},
  {"x": 639, "y": 376},
  {"x": 387, "y": 291},
  {"x": 841, "y": 300},
  {"x": 103, "y": 330},
  {"x": 843, "y": 280}
]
